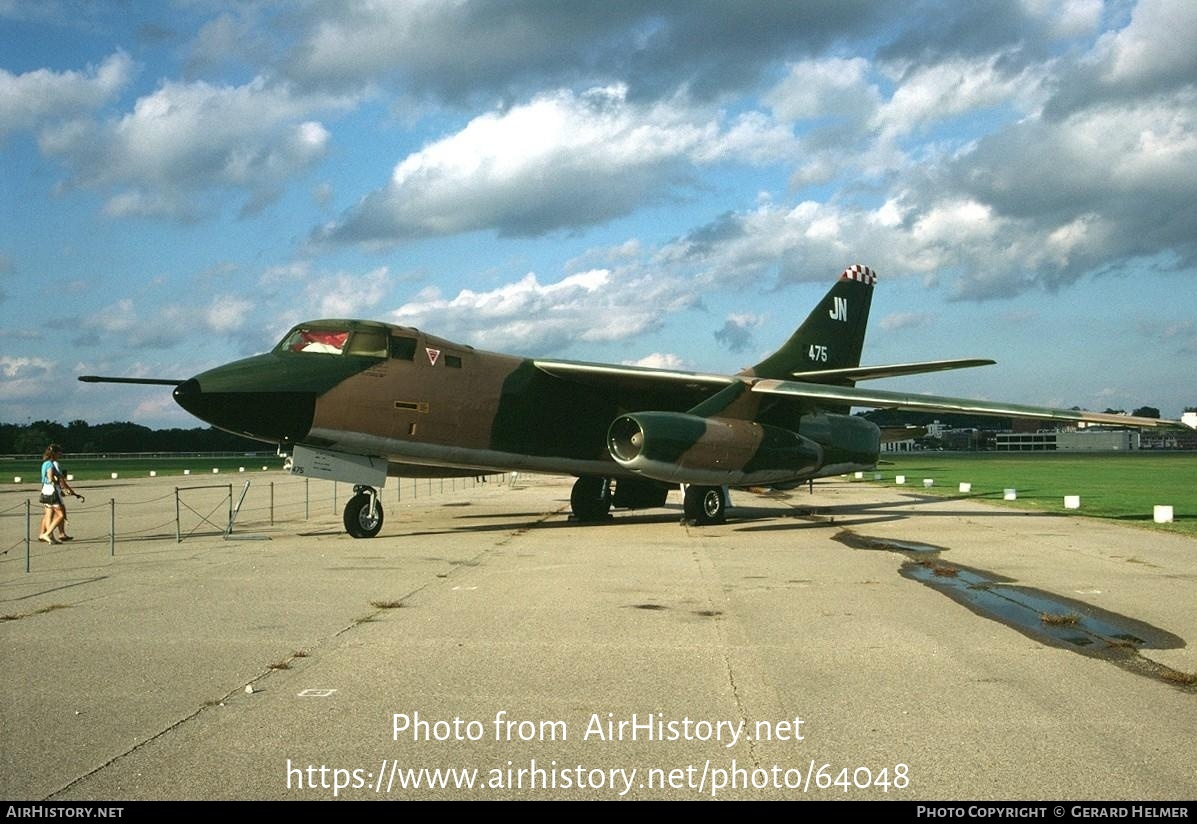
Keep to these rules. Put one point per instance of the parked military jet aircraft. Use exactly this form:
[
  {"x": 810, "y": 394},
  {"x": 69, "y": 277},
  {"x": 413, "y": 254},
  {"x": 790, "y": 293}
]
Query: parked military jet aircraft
[{"x": 358, "y": 401}]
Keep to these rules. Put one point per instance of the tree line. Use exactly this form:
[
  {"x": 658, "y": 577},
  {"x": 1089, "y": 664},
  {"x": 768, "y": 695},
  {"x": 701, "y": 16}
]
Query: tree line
[{"x": 120, "y": 436}]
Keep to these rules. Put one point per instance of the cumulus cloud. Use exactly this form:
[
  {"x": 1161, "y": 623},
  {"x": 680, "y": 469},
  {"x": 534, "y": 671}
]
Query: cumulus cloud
[
  {"x": 32, "y": 99},
  {"x": 599, "y": 305},
  {"x": 1064, "y": 178},
  {"x": 458, "y": 52},
  {"x": 25, "y": 377},
  {"x": 122, "y": 323},
  {"x": 128, "y": 325},
  {"x": 296, "y": 292},
  {"x": 232, "y": 37},
  {"x": 930, "y": 94},
  {"x": 560, "y": 160},
  {"x": 1155, "y": 47},
  {"x": 659, "y": 360},
  {"x": 227, "y": 313},
  {"x": 736, "y": 333},
  {"x": 186, "y": 139}
]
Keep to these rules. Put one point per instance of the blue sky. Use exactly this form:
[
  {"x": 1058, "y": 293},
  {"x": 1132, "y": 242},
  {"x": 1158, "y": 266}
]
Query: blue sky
[{"x": 642, "y": 182}]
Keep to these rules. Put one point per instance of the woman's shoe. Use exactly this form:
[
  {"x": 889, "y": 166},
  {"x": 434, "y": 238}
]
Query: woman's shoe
[
  {"x": 45, "y": 538},
  {"x": 65, "y": 538}
]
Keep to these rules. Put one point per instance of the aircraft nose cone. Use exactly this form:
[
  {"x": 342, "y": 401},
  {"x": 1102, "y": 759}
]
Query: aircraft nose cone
[
  {"x": 265, "y": 415},
  {"x": 186, "y": 389}
]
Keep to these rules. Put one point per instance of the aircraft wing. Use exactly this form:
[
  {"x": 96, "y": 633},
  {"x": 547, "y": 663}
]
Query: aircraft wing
[
  {"x": 606, "y": 374},
  {"x": 878, "y": 399},
  {"x": 862, "y": 373}
]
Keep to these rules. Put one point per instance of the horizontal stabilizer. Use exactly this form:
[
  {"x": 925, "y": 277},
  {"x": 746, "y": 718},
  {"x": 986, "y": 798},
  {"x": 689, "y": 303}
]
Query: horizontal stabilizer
[
  {"x": 864, "y": 373},
  {"x": 151, "y": 381},
  {"x": 877, "y": 399}
]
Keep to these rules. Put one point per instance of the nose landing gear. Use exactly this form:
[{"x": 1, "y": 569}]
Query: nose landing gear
[{"x": 363, "y": 513}]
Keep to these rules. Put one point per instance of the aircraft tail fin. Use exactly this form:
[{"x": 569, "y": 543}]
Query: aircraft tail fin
[{"x": 832, "y": 336}]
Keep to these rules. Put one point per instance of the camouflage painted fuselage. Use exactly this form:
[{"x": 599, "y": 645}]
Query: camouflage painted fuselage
[{"x": 430, "y": 406}]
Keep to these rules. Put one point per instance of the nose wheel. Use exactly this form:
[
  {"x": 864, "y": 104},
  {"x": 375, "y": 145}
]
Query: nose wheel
[{"x": 363, "y": 513}]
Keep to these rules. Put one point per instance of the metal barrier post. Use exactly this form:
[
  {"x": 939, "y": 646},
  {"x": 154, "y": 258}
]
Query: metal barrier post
[
  {"x": 235, "y": 511},
  {"x": 112, "y": 527},
  {"x": 305, "y": 498},
  {"x": 178, "y": 529},
  {"x": 28, "y": 518},
  {"x": 272, "y": 503}
]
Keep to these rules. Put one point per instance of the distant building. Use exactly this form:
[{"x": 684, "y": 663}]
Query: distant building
[
  {"x": 1105, "y": 440},
  {"x": 1025, "y": 441},
  {"x": 1173, "y": 438}
]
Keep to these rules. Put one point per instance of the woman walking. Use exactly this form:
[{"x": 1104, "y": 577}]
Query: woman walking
[{"x": 54, "y": 482}]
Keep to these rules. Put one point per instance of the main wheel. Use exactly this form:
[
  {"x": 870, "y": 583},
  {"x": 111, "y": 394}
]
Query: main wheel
[
  {"x": 704, "y": 505},
  {"x": 590, "y": 498},
  {"x": 360, "y": 522}
]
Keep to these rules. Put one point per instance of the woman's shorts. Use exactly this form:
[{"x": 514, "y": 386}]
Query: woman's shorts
[{"x": 52, "y": 500}]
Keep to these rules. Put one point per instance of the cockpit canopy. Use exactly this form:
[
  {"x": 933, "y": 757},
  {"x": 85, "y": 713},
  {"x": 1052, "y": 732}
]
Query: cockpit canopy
[{"x": 357, "y": 338}]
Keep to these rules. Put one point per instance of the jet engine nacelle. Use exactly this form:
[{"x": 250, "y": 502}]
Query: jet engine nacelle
[{"x": 675, "y": 447}]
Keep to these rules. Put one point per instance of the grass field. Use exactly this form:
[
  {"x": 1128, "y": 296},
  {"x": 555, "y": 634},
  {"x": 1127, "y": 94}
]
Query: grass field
[
  {"x": 93, "y": 469},
  {"x": 1119, "y": 487}
]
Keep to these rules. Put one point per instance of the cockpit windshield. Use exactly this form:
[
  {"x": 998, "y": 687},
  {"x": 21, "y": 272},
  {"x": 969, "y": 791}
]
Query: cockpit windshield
[
  {"x": 325, "y": 341},
  {"x": 335, "y": 341}
]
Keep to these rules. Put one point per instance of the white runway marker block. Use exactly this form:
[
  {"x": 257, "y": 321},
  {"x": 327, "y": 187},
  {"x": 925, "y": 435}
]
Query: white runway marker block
[
  {"x": 153, "y": 474},
  {"x": 17, "y": 479},
  {"x": 1010, "y": 495},
  {"x": 114, "y": 476},
  {"x": 859, "y": 475},
  {"x": 965, "y": 486},
  {"x": 241, "y": 469},
  {"x": 215, "y": 470},
  {"x": 70, "y": 478},
  {"x": 900, "y": 479},
  {"x": 928, "y": 483},
  {"x": 1072, "y": 501},
  {"x": 1162, "y": 514},
  {"x": 876, "y": 476},
  {"x": 186, "y": 471}
]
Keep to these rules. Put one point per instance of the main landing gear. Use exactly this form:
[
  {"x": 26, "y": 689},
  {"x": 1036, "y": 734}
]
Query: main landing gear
[
  {"x": 363, "y": 513},
  {"x": 591, "y": 498},
  {"x": 704, "y": 505}
]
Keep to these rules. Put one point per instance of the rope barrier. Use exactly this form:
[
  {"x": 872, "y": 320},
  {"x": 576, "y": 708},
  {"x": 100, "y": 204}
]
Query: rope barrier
[{"x": 286, "y": 500}]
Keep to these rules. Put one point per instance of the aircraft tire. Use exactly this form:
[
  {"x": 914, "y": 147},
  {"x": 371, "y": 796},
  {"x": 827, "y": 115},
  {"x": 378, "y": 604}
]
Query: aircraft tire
[
  {"x": 704, "y": 505},
  {"x": 590, "y": 498},
  {"x": 358, "y": 521}
]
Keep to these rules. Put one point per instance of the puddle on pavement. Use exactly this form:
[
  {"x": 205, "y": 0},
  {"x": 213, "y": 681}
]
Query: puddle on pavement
[{"x": 1042, "y": 616}]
